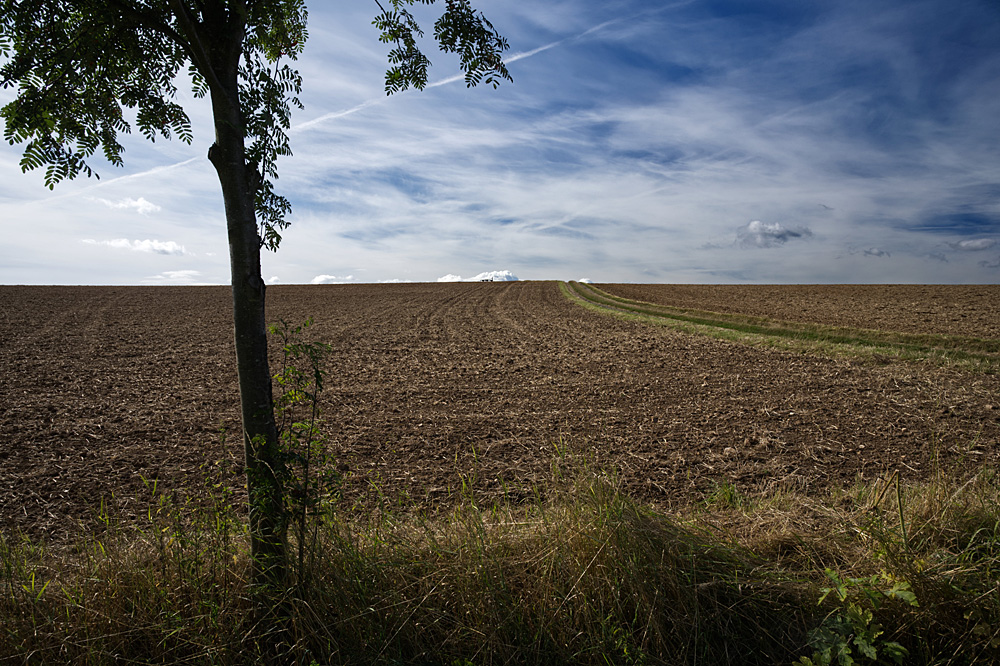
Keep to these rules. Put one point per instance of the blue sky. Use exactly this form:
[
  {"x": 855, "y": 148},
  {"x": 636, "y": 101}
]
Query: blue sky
[{"x": 698, "y": 141}]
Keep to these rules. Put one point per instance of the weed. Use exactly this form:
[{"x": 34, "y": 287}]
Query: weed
[
  {"x": 309, "y": 476},
  {"x": 724, "y": 495},
  {"x": 850, "y": 633}
]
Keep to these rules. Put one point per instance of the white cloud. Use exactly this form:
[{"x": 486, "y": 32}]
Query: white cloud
[
  {"x": 331, "y": 279},
  {"x": 274, "y": 279},
  {"x": 973, "y": 245},
  {"x": 180, "y": 278},
  {"x": 488, "y": 276},
  {"x": 149, "y": 246},
  {"x": 768, "y": 234},
  {"x": 586, "y": 281},
  {"x": 495, "y": 276},
  {"x": 876, "y": 252},
  {"x": 140, "y": 205}
]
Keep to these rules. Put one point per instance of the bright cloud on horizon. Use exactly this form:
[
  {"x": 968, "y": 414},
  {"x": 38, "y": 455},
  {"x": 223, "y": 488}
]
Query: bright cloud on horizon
[
  {"x": 331, "y": 279},
  {"x": 175, "y": 278},
  {"x": 486, "y": 276},
  {"x": 643, "y": 142}
]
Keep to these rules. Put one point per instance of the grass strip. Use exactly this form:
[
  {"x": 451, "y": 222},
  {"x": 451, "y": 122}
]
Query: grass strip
[
  {"x": 588, "y": 576},
  {"x": 972, "y": 353}
]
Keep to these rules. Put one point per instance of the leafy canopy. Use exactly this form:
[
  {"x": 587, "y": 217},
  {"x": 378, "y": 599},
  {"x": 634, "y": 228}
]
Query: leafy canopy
[
  {"x": 79, "y": 64},
  {"x": 87, "y": 70}
]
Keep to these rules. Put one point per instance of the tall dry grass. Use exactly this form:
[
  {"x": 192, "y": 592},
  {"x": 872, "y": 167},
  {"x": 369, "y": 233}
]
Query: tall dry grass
[{"x": 906, "y": 572}]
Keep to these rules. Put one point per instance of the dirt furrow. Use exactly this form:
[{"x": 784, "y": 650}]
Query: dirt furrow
[{"x": 432, "y": 383}]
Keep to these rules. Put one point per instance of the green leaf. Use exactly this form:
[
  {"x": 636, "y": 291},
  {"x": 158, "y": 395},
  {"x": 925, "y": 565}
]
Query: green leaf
[
  {"x": 865, "y": 647},
  {"x": 903, "y": 592},
  {"x": 894, "y": 651}
]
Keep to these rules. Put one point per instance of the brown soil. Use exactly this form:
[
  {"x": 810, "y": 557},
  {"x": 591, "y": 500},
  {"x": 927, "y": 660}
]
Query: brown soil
[{"x": 429, "y": 383}]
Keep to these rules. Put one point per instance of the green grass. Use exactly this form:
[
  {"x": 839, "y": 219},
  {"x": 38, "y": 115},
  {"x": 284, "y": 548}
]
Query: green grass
[
  {"x": 969, "y": 353},
  {"x": 587, "y": 576}
]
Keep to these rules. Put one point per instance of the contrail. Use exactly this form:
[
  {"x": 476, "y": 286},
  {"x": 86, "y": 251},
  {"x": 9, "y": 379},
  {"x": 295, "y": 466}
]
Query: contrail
[
  {"x": 527, "y": 54},
  {"x": 337, "y": 114},
  {"x": 514, "y": 58},
  {"x": 103, "y": 183},
  {"x": 461, "y": 77},
  {"x": 551, "y": 45},
  {"x": 334, "y": 115},
  {"x": 451, "y": 79}
]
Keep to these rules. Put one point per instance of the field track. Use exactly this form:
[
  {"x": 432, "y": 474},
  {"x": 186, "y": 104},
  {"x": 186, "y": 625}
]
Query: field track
[
  {"x": 978, "y": 354},
  {"x": 428, "y": 383},
  {"x": 965, "y": 310}
]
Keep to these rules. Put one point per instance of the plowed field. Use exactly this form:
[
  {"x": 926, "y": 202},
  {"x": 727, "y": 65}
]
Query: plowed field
[{"x": 105, "y": 387}]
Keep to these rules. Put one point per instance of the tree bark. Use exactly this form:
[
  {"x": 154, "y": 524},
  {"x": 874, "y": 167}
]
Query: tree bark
[{"x": 268, "y": 524}]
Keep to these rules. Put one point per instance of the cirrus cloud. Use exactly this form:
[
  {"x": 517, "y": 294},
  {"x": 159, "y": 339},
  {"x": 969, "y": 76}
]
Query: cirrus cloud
[
  {"x": 991, "y": 265},
  {"x": 806, "y": 132},
  {"x": 149, "y": 246}
]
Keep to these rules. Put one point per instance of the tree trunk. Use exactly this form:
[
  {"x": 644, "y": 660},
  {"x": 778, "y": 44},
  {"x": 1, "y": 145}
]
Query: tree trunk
[{"x": 268, "y": 524}]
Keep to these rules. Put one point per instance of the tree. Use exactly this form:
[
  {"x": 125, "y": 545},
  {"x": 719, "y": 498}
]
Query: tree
[{"x": 78, "y": 65}]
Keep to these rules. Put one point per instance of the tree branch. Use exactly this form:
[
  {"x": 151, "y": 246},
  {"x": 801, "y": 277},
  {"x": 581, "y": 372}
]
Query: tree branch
[
  {"x": 199, "y": 54},
  {"x": 148, "y": 21}
]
